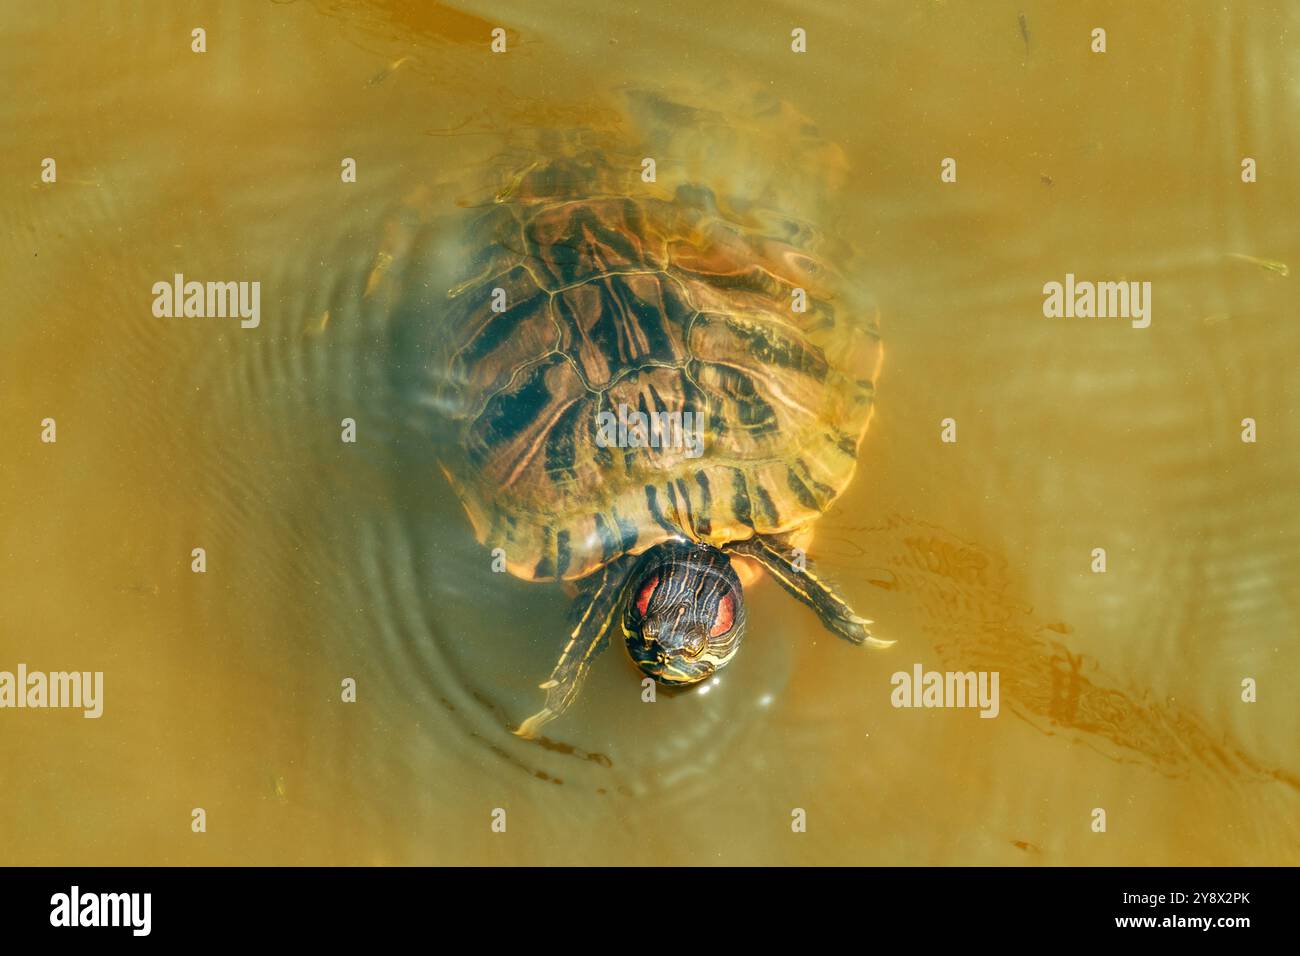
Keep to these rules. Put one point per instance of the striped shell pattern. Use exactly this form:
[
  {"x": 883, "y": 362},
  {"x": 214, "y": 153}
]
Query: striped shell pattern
[{"x": 589, "y": 293}]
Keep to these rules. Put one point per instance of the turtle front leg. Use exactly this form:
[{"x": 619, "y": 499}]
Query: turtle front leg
[
  {"x": 777, "y": 560},
  {"x": 600, "y": 598}
]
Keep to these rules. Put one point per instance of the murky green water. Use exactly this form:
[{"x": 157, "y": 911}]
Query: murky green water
[{"x": 329, "y": 560}]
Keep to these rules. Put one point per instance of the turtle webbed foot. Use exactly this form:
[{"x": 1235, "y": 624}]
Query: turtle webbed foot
[
  {"x": 598, "y": 602},
  {"x": 804, "y": 583}
]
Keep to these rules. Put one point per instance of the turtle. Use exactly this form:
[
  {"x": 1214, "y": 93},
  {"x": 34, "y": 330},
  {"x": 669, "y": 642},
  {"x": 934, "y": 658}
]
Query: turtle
[{"x": 640, "y": 407}]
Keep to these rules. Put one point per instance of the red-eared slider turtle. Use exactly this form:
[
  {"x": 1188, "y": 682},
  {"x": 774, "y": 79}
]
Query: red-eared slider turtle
[{"x": 644, "y": 385}]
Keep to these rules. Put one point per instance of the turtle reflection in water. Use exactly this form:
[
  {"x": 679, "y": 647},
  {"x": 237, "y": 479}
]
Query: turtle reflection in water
[{"x": 592, "y": 295}]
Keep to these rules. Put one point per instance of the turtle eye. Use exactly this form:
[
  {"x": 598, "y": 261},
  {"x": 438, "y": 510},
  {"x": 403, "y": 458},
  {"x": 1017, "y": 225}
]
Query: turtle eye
[
  {"x": 646, "y": 593},
  {"x": 725, "y": 617}
]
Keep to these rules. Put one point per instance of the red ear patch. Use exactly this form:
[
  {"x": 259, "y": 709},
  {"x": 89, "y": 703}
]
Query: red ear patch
[
  {"x": 647, "y": 592},
  {"x": 726, "y": 616}
]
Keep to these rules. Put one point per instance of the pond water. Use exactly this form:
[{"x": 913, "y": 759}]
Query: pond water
[{"x": 328, "y": 560}]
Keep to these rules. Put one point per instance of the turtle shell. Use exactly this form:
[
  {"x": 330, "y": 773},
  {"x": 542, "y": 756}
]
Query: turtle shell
[{"x": 592, "y": 295}]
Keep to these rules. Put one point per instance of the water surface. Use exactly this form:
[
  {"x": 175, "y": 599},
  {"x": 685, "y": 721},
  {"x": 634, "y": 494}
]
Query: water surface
[{"x": 328, "y": 560}]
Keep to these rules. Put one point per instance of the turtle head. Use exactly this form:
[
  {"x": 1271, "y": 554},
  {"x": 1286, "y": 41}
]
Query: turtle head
[{"x": 685, "y": 612}]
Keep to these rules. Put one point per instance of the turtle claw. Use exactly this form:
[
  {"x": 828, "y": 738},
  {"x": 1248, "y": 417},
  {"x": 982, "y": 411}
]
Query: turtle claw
[
  {"x": 854, "y": 628},
  {"x": 530, "y": 728}
]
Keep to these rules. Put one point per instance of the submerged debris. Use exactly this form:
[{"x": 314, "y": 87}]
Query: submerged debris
[{"x": 1272, "y": 265}]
